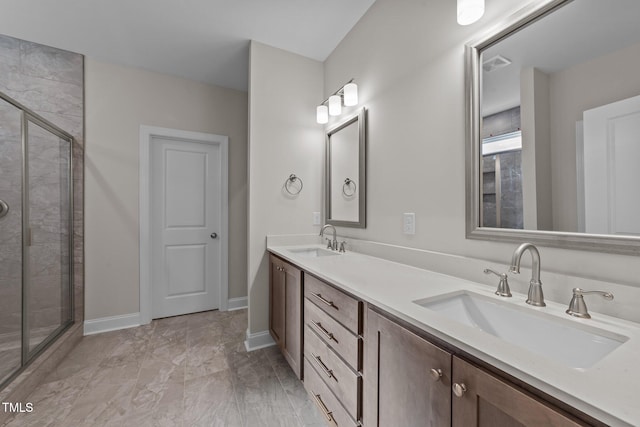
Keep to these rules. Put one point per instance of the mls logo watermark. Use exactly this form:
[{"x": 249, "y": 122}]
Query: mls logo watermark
[{"x": 17, "y": 407}]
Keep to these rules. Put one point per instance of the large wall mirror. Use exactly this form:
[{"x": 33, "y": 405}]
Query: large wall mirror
[
  {"x": 553, "y": 127},
  {"x": 345, "y": 172}
]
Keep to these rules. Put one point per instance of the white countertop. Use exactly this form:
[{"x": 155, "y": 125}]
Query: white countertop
[{"x": 606, "y": 391}]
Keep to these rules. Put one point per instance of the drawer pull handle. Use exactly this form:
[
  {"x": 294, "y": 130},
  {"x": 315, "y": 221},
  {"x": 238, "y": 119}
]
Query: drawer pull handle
[
  {"x": 328, "y": 372},
  {"x": 325, "y": 301},
  {"x": 328, "y": 414},
  {"x": 326, "y": 333}
]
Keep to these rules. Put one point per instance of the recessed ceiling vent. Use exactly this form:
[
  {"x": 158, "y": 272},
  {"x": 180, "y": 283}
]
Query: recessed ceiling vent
[{"x": 494, "y": 63}]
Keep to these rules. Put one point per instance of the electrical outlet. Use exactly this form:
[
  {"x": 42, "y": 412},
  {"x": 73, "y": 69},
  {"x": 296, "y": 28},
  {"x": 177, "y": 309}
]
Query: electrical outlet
[
  {"x": 409, "y": 223},
  {"x": 316, "y": 218}
]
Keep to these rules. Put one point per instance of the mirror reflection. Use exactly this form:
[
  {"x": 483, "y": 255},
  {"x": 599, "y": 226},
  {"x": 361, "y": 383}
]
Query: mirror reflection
[
  {"x": 345, "y": 172},
  {"x": 560, "y": 122}
]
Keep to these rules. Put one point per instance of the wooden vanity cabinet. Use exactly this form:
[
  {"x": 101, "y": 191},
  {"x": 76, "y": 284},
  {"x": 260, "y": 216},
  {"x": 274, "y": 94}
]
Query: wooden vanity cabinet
[
  {"x": 487, "y": 401},
  {"x": 407, "y": 379},
  {"x": 285, "y": 314},
  {"x": 333, "y": 351},
  {"x": 411, "y": 382}
]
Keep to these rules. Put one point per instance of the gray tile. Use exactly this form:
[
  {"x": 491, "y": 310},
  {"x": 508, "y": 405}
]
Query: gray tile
[{"x": 181, "y": 371}]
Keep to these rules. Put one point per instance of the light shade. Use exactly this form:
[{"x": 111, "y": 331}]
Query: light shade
[
  {"x": 335, "y": 105},
  {"x": 322, "y": 114},
  {"x": 469, "y": 11},
  {"x": 350, "y": 94}
]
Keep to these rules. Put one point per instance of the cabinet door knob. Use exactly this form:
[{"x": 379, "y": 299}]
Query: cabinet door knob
[
  {"x": 459, "y": 389},
  {"x": 436, "y": 374},
  {"x": 214, "y": 235}
]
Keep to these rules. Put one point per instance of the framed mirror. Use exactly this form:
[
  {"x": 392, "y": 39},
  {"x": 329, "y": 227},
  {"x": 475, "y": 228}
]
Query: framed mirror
[
  {"x": 553, "y": 127},
  {"x": 346, "y": 178}
]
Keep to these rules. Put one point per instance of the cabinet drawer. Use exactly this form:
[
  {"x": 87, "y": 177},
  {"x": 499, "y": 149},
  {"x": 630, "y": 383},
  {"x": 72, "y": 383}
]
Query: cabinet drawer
[
  {"x": 327, "y": 403},
  {"x": 346, "y": 344},
  {"x": 337, "y": 304},
  {"x": 341, "y": 379}
]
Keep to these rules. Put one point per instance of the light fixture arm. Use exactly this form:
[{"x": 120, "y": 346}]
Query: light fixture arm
[{"x": 339, "y": 92}]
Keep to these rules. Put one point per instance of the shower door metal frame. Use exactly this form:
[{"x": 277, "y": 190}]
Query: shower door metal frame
[{"x": 26, "y": 116}]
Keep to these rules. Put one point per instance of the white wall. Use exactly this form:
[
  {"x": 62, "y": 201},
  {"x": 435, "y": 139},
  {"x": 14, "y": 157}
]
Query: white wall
[
  {"x": 119, "y": 100},
  {"x": 601, "y": 81},
  {"x": 284, "y": 89},
  {"x": 408, "y": 60},
  {"x": 536, "y": 150}
]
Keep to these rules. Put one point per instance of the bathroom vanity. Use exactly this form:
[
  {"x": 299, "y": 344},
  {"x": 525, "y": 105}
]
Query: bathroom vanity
[{"x": 374, "y": 353}]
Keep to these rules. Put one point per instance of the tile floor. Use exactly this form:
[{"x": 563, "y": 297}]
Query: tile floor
[{"x": 184, "y": 371}]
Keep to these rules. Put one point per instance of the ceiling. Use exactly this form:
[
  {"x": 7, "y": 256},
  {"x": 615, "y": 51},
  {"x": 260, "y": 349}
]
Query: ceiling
[
  {"x": 578, "y": 32},
  {"x": 203, "y": 40}
]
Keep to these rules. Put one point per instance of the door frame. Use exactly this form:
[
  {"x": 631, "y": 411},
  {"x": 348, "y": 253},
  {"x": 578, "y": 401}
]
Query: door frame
[{"x": 147, "y": 133}]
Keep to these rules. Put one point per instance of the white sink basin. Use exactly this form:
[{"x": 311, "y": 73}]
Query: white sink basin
[
  {"x": 573, "y": 344},
  {"x": 313, "y": 252}
]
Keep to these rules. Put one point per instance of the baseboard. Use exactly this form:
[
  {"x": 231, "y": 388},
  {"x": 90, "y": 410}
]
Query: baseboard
[
  {"x": 258, "y": 340},
  {"x": 113, "y": 323},
  {"x": 237, "y": 303}
]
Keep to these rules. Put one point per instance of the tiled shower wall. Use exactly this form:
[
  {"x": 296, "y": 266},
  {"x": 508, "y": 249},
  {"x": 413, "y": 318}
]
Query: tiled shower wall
[{"x": 50, "y": 82}]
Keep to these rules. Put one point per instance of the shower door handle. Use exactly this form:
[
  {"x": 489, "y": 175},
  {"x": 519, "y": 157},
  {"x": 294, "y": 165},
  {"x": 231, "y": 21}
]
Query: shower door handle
[
  {"x": 4, "y": 208},
  {"x": 214, "y": 235}
]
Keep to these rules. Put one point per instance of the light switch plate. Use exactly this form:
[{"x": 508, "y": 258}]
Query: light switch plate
[
  {"x": 409, "y": 223},
  {"x": 316, "y": 218}
]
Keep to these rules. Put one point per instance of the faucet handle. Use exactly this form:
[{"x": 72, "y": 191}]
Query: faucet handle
[
  {"x": 503, "y": 287},
  {"x": 329, "y": 244},
  {"x": 342, "y": 246},
  {"x": 577, "y": 306}
]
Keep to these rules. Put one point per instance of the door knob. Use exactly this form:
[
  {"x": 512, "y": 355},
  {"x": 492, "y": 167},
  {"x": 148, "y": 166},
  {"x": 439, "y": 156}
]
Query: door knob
[{"x": 214, "y": 235}]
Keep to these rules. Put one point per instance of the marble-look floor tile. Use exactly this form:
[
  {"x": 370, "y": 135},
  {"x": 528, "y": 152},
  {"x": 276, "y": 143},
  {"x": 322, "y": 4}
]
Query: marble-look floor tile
[
  {"x": 183, "y": 371},
  {"x": 52, "y": 402},
  {"x": 210, "y": 401}
]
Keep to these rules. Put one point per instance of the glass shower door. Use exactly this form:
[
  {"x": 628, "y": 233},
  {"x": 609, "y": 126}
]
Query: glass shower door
[
  {"x": 10, "y": 240},
  {"x": 36, "y": 235},
  {"x": 48, "y": 244}
]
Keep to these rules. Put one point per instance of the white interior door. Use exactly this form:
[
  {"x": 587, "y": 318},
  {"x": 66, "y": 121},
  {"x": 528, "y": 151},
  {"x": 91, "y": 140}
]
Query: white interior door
[
  {"x": 186, "y": 216},
  {"x": 611, "y": 172}
]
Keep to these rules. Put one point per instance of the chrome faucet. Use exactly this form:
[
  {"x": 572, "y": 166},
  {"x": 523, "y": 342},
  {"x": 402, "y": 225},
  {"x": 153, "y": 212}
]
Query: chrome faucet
[
  {"x": 577, "y": 306},
  {"x": 535, "y": 296},
  {"x": 331, "y": 244}
]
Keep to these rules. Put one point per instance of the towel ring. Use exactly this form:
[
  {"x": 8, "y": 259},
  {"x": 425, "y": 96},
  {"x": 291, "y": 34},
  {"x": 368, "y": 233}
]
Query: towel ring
[
  {"x": 288, "y": 184},
  {"x": 346, "y": 187}
]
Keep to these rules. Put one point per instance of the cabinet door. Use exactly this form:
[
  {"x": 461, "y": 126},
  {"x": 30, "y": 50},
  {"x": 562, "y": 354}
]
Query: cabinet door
[
  {"x": 277, "y": 301},
  {"x": 400, "y": 389},
  {"x": 489, "y": 401},
  {"x": 292, "y": 345}
]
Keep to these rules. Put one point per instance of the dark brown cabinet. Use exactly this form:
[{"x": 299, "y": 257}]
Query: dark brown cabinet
[
  {"x": 483, "y": 400},
  {"x": 285, "y": 316},
  {"x": 333, "y": 351},
  {"x": 412, "y": 382},
  {"x": 407, "y": 379}
]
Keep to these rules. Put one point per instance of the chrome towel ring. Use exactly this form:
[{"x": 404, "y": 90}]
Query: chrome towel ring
[
  {"x": 293, "y": 185},
  {"x": 347, "y": 187}
]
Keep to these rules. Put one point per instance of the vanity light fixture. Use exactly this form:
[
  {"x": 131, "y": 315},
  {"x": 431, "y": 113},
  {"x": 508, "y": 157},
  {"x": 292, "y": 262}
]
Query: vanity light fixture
[
  {"x": 347, "y": 95},
  {"x": 469, "y": 11},
  {"x": 350, "y": 94},
  {"x": 335, "y": 105},
  {"x": 322, "y": 114}
]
